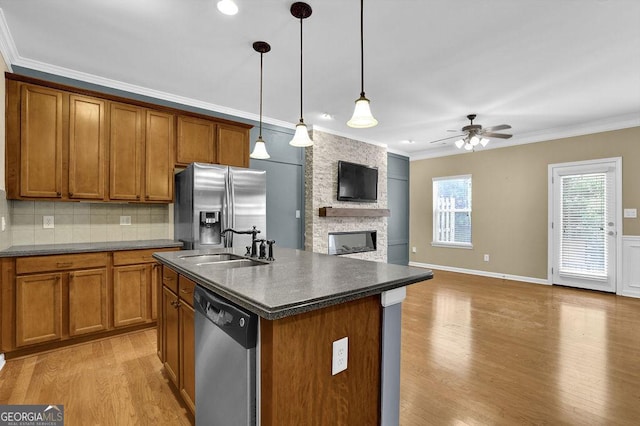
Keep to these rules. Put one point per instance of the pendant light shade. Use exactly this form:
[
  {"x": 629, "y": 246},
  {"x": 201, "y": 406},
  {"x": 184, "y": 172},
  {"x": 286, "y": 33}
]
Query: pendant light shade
[
  {"x": 301, "y": 138},
  {"x": 362, "y": 117},
  {"x": 260, "y": 149}
]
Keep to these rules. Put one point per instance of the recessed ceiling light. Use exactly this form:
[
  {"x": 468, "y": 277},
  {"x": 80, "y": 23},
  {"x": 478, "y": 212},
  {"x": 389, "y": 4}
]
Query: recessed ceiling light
[
  {"x": 326, "y": 116},
  {"x": 409, "y": 141},
  {"x": 228, "y": 7}
]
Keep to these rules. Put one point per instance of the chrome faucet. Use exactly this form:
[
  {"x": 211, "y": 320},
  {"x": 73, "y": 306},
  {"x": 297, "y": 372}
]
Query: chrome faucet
[{"x": 254, "y": 242}]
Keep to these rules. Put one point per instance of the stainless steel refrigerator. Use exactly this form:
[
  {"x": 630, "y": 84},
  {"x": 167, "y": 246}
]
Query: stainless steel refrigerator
[{"x": 211, "y": 198}]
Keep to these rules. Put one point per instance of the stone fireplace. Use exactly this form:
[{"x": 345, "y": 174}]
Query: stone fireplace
[{"x": 321, "y": 180}]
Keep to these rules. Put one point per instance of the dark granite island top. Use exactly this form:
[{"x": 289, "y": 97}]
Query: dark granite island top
[{"x": 296, "y": 282}]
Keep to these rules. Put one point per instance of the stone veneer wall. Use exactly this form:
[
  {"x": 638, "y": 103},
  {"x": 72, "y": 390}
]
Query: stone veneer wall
[{"x": 321, "y": 182}]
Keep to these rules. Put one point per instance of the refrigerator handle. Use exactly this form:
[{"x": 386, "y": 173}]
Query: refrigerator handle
[
  {"x": 231, "y": 196},
  {"x": 229, "y": 209}
]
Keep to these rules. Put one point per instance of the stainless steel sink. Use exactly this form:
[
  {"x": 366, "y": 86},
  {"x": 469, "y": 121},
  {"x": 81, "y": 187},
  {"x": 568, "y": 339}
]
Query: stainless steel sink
[
  {"x": 236, "y": 263},
  {"x": 222, "y": 260},
  {"x": 211, "y": 258}
]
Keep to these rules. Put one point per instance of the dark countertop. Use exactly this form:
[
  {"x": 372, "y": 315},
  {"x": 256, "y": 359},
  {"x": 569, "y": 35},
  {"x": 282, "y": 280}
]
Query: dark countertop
[
  {"x": 46, "y": 249},
  {"x": 298, "y": 281}
]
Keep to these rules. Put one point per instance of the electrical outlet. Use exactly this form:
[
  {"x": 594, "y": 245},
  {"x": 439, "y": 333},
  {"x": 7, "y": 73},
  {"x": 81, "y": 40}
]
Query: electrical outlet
[
  {"x": 414, "y": 249},
  {"x": 125, "y": 220},
  {"x": 486, "y": 257},
  {"x": 47, "y": 222},
  {"x": 340, "y": 355},
  {"x": 4, "y": 224}
]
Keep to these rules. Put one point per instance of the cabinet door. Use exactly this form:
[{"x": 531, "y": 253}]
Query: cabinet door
[
  {"x": 233, "y": 145},
  {"x": 130, "y": 295},
  {"x": 87, "y": 148},
  {"x": 38, "y": 309},
  {"x": 40, "y": 142},
  {"x": 187, "y": 356},
  {"x": 159, "y": 146},
  {"x": 126, "y": 143},
  {"x": 156, "y": 277},
  {"x": 170, "y": 328},
  {"x": 88, "y": 304},
  {"x": 195, "y": 141}
]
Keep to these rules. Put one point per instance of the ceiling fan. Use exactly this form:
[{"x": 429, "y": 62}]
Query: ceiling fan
[{"x": 474, "y": 135}]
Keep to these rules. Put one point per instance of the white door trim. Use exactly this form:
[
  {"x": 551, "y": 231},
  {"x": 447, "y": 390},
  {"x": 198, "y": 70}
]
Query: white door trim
[{"x": 618, "y": 226}]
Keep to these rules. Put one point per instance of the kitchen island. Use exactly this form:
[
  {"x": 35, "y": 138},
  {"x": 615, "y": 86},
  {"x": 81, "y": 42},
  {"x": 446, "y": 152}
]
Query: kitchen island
[{"x": 305, "y": 302}]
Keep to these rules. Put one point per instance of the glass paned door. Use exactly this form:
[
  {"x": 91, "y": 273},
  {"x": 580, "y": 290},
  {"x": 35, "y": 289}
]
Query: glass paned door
[{"x": 583, "y": 225}]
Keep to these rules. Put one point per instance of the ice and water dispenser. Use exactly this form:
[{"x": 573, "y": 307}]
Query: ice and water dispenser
[{"x": 210, "y": 227}]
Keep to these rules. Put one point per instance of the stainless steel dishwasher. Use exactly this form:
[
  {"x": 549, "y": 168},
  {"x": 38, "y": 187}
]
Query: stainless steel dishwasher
[{"x": 225, "y": 355}]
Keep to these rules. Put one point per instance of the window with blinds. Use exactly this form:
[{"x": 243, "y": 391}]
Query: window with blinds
[
  {"x": 583, "y": 216},
  {"x": 452, "y": 211}
]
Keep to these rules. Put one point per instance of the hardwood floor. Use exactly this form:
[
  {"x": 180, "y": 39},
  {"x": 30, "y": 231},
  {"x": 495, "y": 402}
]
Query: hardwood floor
[
  {"x": 115, "y": 381},
  {"x": 475, "y": 351},
  {"x": 482, "y": 351}
]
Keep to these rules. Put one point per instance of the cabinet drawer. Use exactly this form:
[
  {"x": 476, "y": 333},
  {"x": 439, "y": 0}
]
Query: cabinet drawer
[
  {"x": 134, "y": 257},
  {"x": 186, "y": 290},
  {"x": 170, "y": 279},
  {"x": 64, "y": 262}
]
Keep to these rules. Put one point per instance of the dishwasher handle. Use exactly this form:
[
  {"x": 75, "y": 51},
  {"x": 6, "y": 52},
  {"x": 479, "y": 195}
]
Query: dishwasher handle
[{"x": 239, "y": 324}]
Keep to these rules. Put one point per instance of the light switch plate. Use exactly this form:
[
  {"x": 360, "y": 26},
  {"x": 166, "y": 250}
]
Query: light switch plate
[
  {"x": 125, "y": 220},
  {"x": 630, "y": 213}
]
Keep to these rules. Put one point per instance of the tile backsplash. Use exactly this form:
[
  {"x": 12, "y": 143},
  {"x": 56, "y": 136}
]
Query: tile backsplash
[{"x": 87, "y": 222}]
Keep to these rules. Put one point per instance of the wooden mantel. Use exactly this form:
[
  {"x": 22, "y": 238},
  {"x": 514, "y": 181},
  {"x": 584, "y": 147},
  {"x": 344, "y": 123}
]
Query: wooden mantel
[{"x": 347, "y": 212}]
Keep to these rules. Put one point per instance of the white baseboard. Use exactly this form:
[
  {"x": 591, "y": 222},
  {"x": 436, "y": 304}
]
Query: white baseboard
[
  {"x": 482, "y": 273},
  {"x": 2, "y": 361}
]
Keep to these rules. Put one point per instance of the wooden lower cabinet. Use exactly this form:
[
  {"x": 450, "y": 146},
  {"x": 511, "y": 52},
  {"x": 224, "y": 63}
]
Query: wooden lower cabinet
[
  {"x": 38, "y": 309},
  {"x": 177, "y": 329},
  {"x": 170, "y": 332},
  {"x": 88, "y": 302},
  {"x": 53, "y": 300},
  {"x": 130, "y": 294}
]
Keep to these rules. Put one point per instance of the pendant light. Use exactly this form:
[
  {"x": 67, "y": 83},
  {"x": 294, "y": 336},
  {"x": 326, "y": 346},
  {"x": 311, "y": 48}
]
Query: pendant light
[
  {"x": 301, "y": 138},
  {"x": 362, "y": 117},
  {"x": 259, "y": 149}
]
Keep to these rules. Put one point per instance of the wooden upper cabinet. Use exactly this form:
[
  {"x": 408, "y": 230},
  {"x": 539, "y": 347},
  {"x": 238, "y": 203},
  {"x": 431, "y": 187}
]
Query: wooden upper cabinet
[
  {"x": 87, "y": 148},
  {"x": 233, "y": 145},
  {"x": 41, "y": 137},
  {"x": 126, "y": 146},
  {"x": 195, "y": 141},
  {"x": 159, "y": 148}
]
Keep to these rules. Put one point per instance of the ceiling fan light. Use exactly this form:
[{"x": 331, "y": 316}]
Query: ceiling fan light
[
  {"x": 362, "y": 117},
  {"x": 468, "y": 146},
  {"x": 474, "y": 140},
  {"x": 260, "y": 150},
  {"x": 459, "y": 143},
  {"x": 301, "y": 138},
  {"x": 228, "y": 7},
  {"x": 484, "y": 142}
]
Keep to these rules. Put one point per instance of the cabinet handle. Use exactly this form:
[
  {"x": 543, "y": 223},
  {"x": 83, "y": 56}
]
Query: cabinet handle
[
  {"x": 70, "y": 194},
  {"x": 137, "y": 196},
  {"x": 71, "y": 276},
  {"x": 58, "y": 193},
  {"x": 64, "y": 264},
  {"x": 177, "y": 305},
  {"x": 185, "y": 291}
]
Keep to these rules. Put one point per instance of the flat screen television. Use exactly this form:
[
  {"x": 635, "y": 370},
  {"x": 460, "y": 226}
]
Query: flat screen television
[{"x": 357, "y": 182}]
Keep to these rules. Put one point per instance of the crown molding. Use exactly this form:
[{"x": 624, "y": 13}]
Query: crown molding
[{"x": 7, "y": 46}]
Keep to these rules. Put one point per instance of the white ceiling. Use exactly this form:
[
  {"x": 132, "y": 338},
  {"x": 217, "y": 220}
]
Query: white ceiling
[{"x": 549, "y": 68}]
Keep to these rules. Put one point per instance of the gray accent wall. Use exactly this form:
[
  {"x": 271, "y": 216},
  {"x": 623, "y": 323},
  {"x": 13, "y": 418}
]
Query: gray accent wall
[
  {"x": 398, "y": 199},
  {"x": 285, "y": 186}
]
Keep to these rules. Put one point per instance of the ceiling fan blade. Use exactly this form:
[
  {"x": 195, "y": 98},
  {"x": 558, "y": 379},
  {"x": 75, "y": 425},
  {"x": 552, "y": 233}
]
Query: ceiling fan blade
[
  {"x": 444, "y": 139},
  {"x": 498, "y": 127},
  {"x": 496, "y": 135}
]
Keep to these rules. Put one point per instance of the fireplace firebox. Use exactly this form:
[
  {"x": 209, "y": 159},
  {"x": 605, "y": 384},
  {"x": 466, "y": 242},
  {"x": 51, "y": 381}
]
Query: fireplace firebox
[{"x": 352, "y": 242}]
